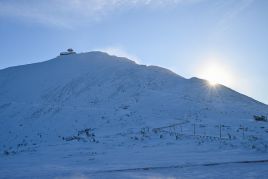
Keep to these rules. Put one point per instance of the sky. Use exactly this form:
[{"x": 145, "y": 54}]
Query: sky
[{"x": 224, "y": 41}]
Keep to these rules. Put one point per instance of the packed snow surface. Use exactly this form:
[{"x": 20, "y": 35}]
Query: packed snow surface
[{"x": 100, "y": 116}]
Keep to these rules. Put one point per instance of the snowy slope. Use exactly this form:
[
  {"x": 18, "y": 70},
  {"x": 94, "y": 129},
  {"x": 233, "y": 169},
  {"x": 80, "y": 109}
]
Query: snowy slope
[{"x": 108, "y": 102}]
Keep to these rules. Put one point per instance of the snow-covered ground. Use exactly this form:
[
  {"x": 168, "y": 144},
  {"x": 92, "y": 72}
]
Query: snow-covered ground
[
  {"x": 100, "y": 116},
  {"x": 165, "y": 160},
  {"x": 256, "y": 170},
  {"x": 178, "y": 159}
]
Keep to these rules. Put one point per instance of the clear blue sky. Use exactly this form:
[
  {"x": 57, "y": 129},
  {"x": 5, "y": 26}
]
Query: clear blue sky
[{"x": 185, "y": 36}]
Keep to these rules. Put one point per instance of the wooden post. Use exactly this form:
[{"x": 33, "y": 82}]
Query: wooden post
[
  {"x": 220, "y": 130},
  {"x": 243, "y": 132},
  {"x": 194, "y": 129}
]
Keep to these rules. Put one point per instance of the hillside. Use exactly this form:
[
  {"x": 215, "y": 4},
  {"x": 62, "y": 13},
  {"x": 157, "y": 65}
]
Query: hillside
[{"x": 100, "y": 110}]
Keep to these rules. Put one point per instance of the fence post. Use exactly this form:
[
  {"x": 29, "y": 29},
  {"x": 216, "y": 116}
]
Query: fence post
[
  {"x": 194, "y": 129},
  {"x": 220, "y": 130},
  {"x": 243, "y": 131}
]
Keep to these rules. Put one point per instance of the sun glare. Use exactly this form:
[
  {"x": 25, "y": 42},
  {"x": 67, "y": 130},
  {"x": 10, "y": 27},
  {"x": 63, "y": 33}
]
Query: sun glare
[
  {"x": 216, "y": 74},
  {"x": 212, "y": 82}
]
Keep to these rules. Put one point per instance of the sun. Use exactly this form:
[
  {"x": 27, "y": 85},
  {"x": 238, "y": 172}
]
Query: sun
[
  {"x": 212, "y": 82},
  {"x": 216, "y": 74},
  {"x": 213, "y": 74}
]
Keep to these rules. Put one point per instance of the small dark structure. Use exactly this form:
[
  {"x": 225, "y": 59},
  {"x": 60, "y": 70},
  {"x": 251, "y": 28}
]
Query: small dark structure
[
  {"x": 70, "y": 51},
  {"x": 260, "y": 118}
]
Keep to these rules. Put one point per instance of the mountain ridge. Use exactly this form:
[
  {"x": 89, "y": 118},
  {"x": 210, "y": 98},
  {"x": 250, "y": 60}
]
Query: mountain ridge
[
  {"x": 122, "y": 59},
  {"x": 108, "y": 93}
]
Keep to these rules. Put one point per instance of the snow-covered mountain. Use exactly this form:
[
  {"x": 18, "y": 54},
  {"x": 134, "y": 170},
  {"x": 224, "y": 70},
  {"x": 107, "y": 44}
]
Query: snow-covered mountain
[{"x": 94, "y": 97}]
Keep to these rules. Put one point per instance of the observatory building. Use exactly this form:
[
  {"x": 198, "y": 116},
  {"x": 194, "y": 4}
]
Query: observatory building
[{"x": 68, "y": 52}]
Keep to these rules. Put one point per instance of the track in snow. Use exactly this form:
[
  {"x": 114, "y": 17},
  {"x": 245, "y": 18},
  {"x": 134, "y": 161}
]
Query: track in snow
[{"x": 181, "y": 166}]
